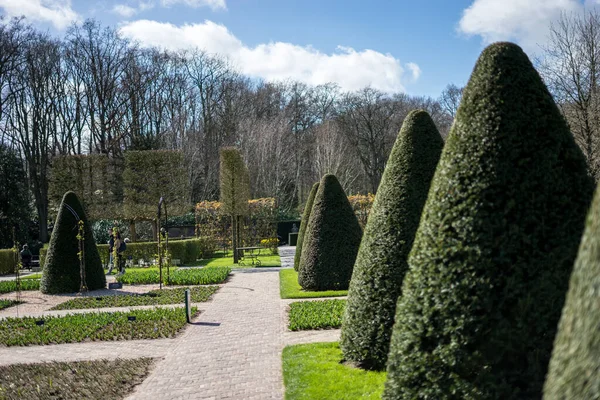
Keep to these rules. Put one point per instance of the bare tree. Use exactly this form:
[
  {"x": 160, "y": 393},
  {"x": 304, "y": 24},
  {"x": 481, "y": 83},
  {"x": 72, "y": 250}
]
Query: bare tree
[
  {"x": 570, "y": 66},
  {"x": 450, "y": 99}
]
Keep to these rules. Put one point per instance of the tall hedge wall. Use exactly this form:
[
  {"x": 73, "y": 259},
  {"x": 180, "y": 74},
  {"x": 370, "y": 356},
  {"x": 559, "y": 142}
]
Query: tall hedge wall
[
  {"x": 7, "y": 261},
  {"x": 490, "y": 265},
  {"x": 185, "y": 250}
]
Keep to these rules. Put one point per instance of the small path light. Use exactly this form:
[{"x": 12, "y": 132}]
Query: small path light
[
  {"x": 131, "y": 318},
  {"x": 188, "y": 306},
  {"x": 40, "y": 322}
]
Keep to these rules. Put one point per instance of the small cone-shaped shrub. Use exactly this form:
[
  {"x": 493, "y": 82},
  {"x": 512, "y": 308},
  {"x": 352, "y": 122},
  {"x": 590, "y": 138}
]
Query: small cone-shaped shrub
[
  {"x": 574, "y": 371},
  {"x": 489, "y": 268},
  {"x": 332, "y": 239},
  {"x": 382, "y": 258},
  {"x": 304, "y": 223},
  {"x": 61, "y": 273}
]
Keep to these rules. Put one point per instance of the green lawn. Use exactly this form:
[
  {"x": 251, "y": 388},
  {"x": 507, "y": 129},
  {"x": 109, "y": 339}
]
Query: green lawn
[
  {"x": 314, "y": 371},
  {"x": 265, "y": 257},
  {"x": 155, "y": 297},
  {"x": 324, "y": 314},
  {"x": 290, "y": 289},
  {"x": 101, "y": 379},
  {"x": 149, "y": 324}
]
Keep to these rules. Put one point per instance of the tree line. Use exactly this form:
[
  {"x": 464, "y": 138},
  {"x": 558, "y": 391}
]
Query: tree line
[{"x": 93, "y": 91}]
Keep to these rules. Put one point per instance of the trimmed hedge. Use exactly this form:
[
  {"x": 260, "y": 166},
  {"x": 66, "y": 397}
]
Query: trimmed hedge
[
  {"x": 382, "y": 258},
  {"x": 332, "y": 239},
  {"x": 188, "y": 250},
  {"x": 574, "y": 370},
  {"x": 490, "y": 265},
  {"x": 7, "y": 261},
  {"x": 61, "y": 270},
  {"x": 303, "y": 223}
]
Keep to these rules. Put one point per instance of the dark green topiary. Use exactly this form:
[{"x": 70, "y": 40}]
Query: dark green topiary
[
  {"x": 574, "y": 371},
  {"x": 499, "y": 232},
  {"x": 332, "y": 239},
  {"x": 61, "y": 269},
  {"x": 304, "y": 223},
  {"x": 382, "y": 258}
]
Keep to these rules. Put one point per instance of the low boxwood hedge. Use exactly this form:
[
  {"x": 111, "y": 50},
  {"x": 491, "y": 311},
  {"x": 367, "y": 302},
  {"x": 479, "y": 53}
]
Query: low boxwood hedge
[{"x": 187, "y": 250}]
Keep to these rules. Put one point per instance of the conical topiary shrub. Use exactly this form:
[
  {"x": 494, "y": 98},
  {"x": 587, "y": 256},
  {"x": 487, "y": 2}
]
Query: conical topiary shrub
[
  {"x": 574, "y": 371},
  {"x": 304, "y": 223},
  {"x": 490, "y": 264},
  {"x": 389, "y": 234},
  {"x": 61, "y": 273},
  {"x": 332, "y": 239}
]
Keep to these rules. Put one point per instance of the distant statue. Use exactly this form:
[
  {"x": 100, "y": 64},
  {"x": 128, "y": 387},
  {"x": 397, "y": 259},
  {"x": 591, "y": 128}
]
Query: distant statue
[
  {"x": 26, "y": 257},
  {"x": 294, "y": 228}
]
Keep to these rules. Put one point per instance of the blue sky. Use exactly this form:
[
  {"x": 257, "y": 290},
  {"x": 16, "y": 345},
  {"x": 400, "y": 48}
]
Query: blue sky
[{"x": 416, "y": 47}]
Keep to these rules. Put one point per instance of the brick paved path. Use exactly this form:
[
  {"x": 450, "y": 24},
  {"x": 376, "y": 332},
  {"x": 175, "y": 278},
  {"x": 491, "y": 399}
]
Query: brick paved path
[{"x": 231, "y": 351}]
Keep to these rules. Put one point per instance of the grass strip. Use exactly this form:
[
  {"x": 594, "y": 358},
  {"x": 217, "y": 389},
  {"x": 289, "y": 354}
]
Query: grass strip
[
  {"x": 154, "y": 297},
  {"x": 181, "y": 276},
  {"x": 8, "y": 303},
  {"x": 149, "y": 324},
  {"x": 325, "y": 314},
  {"x": 265, "y": 261},
  {"x": 26, "y": 284},
  {"x": 101, "y": 379},
  {"x": 314, "y": 371},
  {"x": 290, "y": 289}
]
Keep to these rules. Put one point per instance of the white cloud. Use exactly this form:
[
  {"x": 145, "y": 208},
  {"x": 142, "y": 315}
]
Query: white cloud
[
  {"x": 213, "y": 4},
  {"x": 415, "y": 70},
  {"x": 57, "y": 12},
  {"x": 124, "y": 10},
  {"x": 526, "y": 22},
  {"x": 350, "y": 68}
]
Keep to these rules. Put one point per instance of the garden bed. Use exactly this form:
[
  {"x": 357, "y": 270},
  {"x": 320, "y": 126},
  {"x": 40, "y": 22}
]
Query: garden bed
[
  {"x": 8, "y": 303},
  {"x": 155, "y": 297},
  {"x": 290, "y": 289},
  {"x": 180, "y": 276},
  {"x": 26, "y": 284},
  {"x": 307, "y": 315},
  {"x": 315, "y": 371},
  {"x": 102, "y": 379},
  {"x": 148, "y": 324}
]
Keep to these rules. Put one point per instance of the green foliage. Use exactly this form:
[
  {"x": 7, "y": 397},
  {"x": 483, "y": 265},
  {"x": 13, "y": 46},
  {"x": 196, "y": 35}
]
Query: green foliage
[
  {"x": 73, "y": 380},
  {"x": 8, "y": 261},
  {"x": 8, "y": 303},
  {"x": 499, "y": 232},
  {"x": 332, "y": 239},
  {"x": 304, "y": 224},
  {"x": 150, "y": 175},
  {"x": 574, "y": 370},
  {"x": 315, "y": 371},
  {"x": 290, "y": 289},
  {"x": 187, "y": 251},
  {"x": 234, "y": 182},
  {"x": 14, "y": 198},
  {"x": 382, "y": 258},
  {"x": 181, "y": 276},
  {"x": 155, "y": 297},
  {"x": 149, "y": 324},
  {"x": 324, "y": 314},
  {"x": 61, "y": 273},
  {"x": 26, "y": 284},
  {"x": 97, "y": 179}
]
